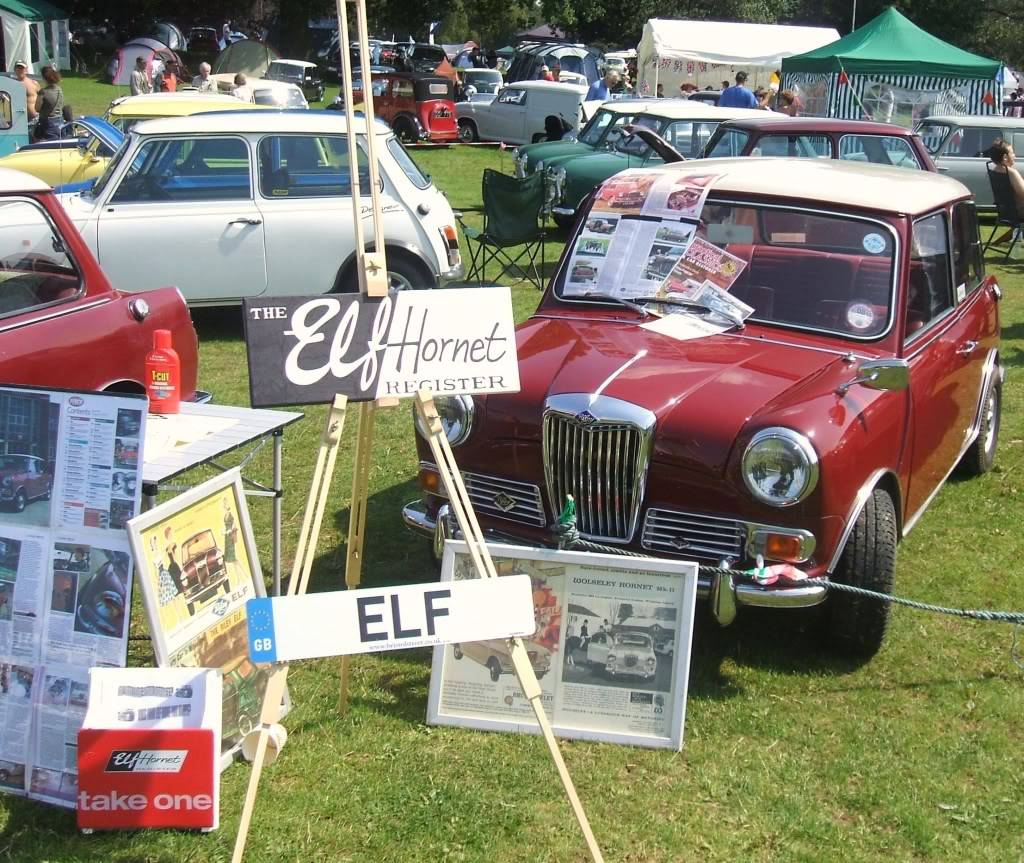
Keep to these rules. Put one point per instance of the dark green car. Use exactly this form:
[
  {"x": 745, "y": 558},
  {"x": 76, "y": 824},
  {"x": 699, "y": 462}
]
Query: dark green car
[
  {"x": 686, "y": 125},
  {"x": 594, "y": 137}
]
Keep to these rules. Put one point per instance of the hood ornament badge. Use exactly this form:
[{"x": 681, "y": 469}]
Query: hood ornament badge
[
  {"x": 585, "y": 418},
  {"x": 504, "y": 502}
]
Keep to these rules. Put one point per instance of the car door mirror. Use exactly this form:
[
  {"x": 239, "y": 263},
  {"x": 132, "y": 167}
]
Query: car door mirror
[{"x": 888, "y": 374}]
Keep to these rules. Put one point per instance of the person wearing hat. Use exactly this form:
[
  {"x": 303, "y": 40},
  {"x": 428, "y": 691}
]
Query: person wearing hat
[
  {"x": 544, "y": 74},
  {"x": 31, "y": 88},
  {"x": 738, "y": 96},
  {"x": 140, "y": 82}
]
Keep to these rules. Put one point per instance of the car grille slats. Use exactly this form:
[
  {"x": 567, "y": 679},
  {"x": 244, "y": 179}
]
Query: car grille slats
[
  {"x": 601, "y": 465},
  {"x": 488, "y": 493},
  {"x": 703, "y": 536}
]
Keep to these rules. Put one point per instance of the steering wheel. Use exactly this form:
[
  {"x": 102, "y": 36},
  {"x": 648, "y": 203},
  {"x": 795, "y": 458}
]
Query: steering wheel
[{"x": 153, "y": 190}]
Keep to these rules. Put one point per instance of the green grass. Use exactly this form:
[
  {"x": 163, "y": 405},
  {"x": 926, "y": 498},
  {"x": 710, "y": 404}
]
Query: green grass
[{"x": 790, "y": 754}]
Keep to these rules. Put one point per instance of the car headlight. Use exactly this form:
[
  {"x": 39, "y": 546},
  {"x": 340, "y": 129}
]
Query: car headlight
[
  {"x": 780, "y": 467},
  {"x": 456, "y": 413},
  {"x": 556, "y": 184}
]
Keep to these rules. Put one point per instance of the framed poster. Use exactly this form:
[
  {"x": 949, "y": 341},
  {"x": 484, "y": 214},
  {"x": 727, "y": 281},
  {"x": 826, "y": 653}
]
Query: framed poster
[
  {"x": 611, "y": 649},
  {"x": 197, "y": 566}
]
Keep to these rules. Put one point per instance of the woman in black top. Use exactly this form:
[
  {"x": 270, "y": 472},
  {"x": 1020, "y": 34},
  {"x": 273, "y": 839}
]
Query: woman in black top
[{"x": 50, "y": 106}]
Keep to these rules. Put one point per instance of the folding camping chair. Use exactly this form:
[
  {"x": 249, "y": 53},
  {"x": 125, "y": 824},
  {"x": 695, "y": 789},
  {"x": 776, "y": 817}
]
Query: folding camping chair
[
  {"x": 513, "y": 218},
  {"x": 1007, "y": 215}
]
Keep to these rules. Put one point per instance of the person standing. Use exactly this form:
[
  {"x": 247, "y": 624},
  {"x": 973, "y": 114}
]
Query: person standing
[
  {"x": 737, "y": 96},
  {"x": 31, "y": 88},
  {"x": 601, "y": 89},
  {"x": 167, "y": 80},
  {"x": 787, "y": 103},
  {"x": 203, "y": 82},
  {"x": 139, "y": 81},
  {"x": 49, "y": 106}
]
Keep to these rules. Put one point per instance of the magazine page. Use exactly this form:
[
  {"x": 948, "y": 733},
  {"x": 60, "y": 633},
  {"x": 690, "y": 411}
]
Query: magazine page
[
  {"x": 61, "y": 702},
  {"x": 17, "y": 691},
  {"x": 23, "y": 581},
  {"x": 703, "y": 262},
  {"x": 611, "y": 649}
]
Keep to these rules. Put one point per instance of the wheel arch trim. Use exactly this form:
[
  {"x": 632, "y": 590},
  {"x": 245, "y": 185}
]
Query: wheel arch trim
[{"x": 888, "y": 481}]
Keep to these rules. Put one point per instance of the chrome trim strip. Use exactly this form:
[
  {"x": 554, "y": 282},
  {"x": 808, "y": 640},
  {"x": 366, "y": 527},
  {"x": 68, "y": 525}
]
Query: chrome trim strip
[{"x": 56, "y": 314}]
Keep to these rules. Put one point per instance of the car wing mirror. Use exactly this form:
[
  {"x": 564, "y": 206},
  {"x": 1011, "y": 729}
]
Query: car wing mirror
[{"x": 887, "y": 374}]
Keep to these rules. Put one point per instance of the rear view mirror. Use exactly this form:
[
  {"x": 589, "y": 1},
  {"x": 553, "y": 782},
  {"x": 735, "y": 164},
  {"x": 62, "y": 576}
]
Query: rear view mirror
[{"x": 887, "y": 374}]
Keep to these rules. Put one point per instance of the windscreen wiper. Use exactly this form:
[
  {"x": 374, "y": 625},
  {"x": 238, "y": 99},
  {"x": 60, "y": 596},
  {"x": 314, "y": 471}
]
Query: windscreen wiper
[
  {"x": 690, "y": 304},
  {"x": 636, "y": 307}
]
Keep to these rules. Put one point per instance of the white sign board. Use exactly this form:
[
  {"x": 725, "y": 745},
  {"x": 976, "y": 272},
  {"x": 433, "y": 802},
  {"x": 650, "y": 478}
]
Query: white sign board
[
  {"x": 286, "y": 628},
  {"x": 306, "y": 350}
]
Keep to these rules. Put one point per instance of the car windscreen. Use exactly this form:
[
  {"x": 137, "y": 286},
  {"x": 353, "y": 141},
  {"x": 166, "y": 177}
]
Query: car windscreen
[
  {"x": 104, "y": 179},
  {"x": 407, "y": 164},
  {"x": 932, "y": 135},
  {"x": 793, "y": 268},
  {"x": 631, "y": 639},
  {"x": 730, "y": 142},
  {"x": 630, "y": 145}
]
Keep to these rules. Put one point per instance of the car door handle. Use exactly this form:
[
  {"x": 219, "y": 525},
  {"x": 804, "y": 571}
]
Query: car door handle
[
  {"x": 967, "y": 348},
  {"x": 941, "y": 169},
  {"x": 245, "y": 221}
]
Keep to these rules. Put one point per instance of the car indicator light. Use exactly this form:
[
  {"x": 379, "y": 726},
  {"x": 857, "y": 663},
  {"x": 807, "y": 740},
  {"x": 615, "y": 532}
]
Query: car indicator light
[{"x": 782, "y": 547}]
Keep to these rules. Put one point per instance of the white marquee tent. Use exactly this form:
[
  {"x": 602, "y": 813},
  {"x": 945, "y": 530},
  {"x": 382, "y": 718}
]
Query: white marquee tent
[
  {"x": 705, "y": 53},
  {"x": 36, "y": 32}
]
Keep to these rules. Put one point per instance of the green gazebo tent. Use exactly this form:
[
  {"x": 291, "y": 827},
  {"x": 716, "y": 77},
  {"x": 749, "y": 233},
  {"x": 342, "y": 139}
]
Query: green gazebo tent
[{"x": 891, "y": 70}]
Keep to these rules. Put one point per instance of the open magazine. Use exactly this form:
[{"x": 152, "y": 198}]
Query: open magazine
[{"x": 70, "y": 478}]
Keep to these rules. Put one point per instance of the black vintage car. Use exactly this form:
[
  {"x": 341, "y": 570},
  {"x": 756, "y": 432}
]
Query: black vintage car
[{"x": 305, "y": 75}]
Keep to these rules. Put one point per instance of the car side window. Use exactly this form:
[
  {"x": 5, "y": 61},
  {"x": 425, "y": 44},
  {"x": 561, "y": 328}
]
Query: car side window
[
  {"x": 187, "y": 169},
  {"x": 929, "y": 288},
  {"x": 971, "y": 141},
  {"x": 512, "y": 97},
  {"x": 6, "y": 115},
  {"x": 401, "y": 89},
  {"x": 35, "y": 269},
  {"x": 968, "y": 269},
  {"x": 879, "y": 149},
  {"x": 308, "y": 166},
  {"x": 794, "y": 146}
]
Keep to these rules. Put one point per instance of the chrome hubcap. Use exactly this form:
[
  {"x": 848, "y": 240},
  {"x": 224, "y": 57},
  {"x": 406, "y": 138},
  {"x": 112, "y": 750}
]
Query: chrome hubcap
[
  {"x": 398, "y": 282},
  {"x": 990, "y": 420}
]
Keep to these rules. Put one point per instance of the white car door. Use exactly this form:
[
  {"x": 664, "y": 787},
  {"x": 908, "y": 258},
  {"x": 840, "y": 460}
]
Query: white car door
[
  {"x": 505, "y": 118},
  {"x": 304, "y": 192},
  {"x": 183, "y": 214}
]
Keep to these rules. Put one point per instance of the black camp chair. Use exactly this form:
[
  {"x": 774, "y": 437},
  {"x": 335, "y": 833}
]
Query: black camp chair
[
  {"x": 513, "y": 219},
  {"x": 1007, "y": 215}
]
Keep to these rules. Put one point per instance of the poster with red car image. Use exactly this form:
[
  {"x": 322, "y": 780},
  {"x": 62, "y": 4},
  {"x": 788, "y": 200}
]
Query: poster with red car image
[{"x": 703, "y": 262}]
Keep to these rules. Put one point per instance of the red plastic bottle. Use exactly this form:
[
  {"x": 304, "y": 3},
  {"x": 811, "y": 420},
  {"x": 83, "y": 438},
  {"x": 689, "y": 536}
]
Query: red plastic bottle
[{"x": 163, "y": 375}]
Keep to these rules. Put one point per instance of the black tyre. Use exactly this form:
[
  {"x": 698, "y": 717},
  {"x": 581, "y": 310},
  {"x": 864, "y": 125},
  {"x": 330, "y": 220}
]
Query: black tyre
[
  {"x": 20, "y": 501},
  {"x": 404, "y": 273},
  {"x": 981, "y": 455},
  {"x": 855, "y": 625},
  {"x": 457, "y": 650},
  {"x": 405, "y": 130},
  {"x": 495, "y": 668},
  {"x": 49, "y": 490},
  {"x": 467, "y": 132},
  {"x": 564, "y": 222},
  {"x": 537, "y": 138}
]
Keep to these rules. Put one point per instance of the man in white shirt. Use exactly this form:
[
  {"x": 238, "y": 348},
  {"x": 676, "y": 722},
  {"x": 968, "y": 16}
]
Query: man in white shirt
[
  {"x": 203, "y": 82},
  {"x": 139, "y": 80}
]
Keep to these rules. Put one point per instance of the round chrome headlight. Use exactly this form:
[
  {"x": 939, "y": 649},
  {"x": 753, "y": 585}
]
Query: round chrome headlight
[
  {"x": 456, "y": 414},
  {"x": 780, "y": 467}
]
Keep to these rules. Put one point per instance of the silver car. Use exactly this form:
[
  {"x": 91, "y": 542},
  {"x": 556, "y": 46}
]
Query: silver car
[{"x": 958, "y": 146}]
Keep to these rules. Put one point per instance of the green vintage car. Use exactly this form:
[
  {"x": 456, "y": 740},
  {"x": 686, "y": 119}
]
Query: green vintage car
[
  {"x": 686, "y": 124},
  {"x": 611, "y": 115}
]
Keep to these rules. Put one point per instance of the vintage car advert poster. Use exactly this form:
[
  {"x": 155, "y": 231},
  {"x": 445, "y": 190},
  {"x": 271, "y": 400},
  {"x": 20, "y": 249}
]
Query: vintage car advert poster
[
  {"x": 703, "y": 262},
  {"x": 198, "y": 567},
  {"x": 69, "y": 481},
  {"x": 611, "y": 649}
]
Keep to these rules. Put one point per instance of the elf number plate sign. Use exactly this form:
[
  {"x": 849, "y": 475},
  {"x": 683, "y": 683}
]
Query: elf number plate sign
[
  {"x": 285, "y": 628},
  {"x": 306, "y": 350}
]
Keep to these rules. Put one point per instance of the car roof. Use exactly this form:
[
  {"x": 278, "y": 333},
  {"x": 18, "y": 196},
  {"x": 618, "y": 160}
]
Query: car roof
[
  {"x": 259, "y": 120},
  {"x": 829, "y": 182},
  {"x": 304, "y": 63},
  {"x": 547, "y": 85},
  {"x": 973, "y": 120},
  {"x": 170, "y": 104},
  {"x": 684, "y": 109},
  {"x": 798, "y": 125},
  {"x": 19, "y": 181}
]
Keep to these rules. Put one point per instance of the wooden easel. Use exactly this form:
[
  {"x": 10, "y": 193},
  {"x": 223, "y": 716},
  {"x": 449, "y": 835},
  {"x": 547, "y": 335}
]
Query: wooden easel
[{"x": 371, "y": 269}]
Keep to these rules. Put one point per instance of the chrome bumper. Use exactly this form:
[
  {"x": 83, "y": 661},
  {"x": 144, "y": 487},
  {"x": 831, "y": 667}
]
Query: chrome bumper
[
  {"x": 724, "y": 592},
  {"x": 455, "y": 274},
  {"x": 563, "y": 211}
]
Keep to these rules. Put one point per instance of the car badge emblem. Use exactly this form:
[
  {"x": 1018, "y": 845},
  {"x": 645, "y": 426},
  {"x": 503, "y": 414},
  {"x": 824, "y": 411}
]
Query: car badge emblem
[
  {"x": 585, "y": 418},
  {"x": 504, "y": 502},
  {"x": 221, "y": 606}
]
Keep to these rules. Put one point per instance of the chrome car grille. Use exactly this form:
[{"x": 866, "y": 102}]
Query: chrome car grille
[
  {"x": 597, "y": 449},
  {"x": 687, "y": 533},
  {"x": 504, "y": 498}
]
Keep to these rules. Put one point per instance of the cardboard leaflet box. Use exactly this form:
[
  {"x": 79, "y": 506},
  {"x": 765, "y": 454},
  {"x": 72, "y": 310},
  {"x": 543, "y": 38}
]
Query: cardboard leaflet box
[{"x": 149, "y": 748}]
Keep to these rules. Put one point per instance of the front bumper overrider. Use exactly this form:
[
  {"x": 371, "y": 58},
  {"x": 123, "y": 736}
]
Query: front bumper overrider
[{"x": 723, "y": 589}]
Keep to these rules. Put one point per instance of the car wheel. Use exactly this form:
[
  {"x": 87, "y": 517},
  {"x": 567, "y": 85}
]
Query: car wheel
[
  {"x": 856, "y": 625},
  {"x": 49, "y": 490},
  {"x": 405, "y": 131},
  {"x": 981, "y": 455},
  {"x": 495, "y": 668},
  {"x": 457, "y": 650},
  {"x": 467, "y": 132},
  {"x": 20, "y": 501},
  {"x": 564, "y": 222},
  {"x": 537, "y": 137},
  {"x": 404, "y": 273}
]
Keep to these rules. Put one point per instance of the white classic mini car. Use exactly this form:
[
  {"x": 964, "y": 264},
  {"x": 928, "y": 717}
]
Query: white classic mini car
[
  {"x": 226, "y": 206},
  {"x": 623, "y": 653}
]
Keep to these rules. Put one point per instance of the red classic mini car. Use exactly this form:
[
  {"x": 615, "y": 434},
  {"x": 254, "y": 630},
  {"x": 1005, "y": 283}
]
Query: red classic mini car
[
  {"x": 61, "y": 323},
  {"x": 203, "y": 573},
  {"x": 417, "y": 107},
  {"x": 23, "y": 478},
  {"x": 807, "y": 413}
]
